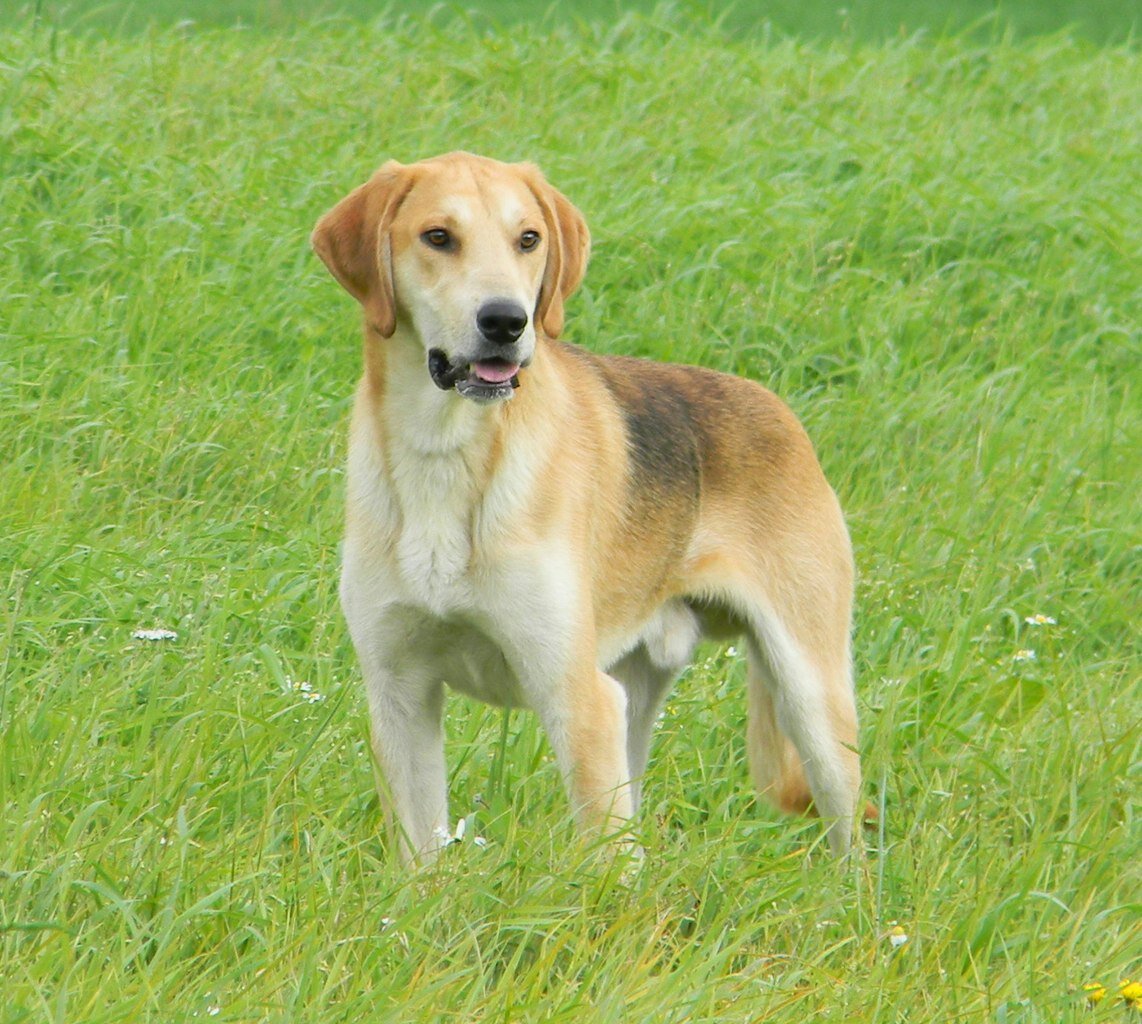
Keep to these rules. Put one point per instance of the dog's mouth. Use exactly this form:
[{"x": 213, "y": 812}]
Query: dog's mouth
[{"x": 484, "y": 380}]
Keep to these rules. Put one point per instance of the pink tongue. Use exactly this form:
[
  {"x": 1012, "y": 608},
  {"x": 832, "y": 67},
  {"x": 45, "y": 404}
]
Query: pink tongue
[{"x": 495, "y": 373}]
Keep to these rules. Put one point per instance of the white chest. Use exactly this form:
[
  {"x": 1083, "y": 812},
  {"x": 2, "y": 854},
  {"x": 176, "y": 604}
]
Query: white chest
[{"x": 436, "y": 498}]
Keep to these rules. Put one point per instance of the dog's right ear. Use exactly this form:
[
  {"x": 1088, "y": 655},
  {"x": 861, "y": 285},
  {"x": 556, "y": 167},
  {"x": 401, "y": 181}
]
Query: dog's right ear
[
  {"x": 353, "y": 241},
  {"x": 568, "y": 248}
]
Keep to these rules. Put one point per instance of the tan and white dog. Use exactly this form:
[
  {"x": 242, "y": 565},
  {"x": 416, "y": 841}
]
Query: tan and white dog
[{"x": 536, "y": 525}]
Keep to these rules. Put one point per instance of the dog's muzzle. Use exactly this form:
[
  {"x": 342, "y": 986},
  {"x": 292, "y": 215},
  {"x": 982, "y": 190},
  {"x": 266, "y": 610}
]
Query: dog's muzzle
[{"x": 484, "y": 380}]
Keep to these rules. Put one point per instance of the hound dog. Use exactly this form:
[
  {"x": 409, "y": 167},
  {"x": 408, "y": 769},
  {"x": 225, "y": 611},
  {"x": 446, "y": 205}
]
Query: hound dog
[{"x": 537, "y": 525}]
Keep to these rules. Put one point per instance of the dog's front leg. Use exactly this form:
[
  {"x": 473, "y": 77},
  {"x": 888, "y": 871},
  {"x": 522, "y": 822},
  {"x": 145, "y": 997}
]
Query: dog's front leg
[
  {"x": 408, "y": 743},
  {"x": 406, "y": 703},
  {"x": 585, "y": 721},
  {"x": 405, "y": 710}
]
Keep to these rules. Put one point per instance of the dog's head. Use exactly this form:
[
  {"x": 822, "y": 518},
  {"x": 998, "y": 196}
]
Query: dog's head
[{"x": 471, "y": 255}]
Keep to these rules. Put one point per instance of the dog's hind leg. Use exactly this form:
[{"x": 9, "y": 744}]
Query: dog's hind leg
[
  {"x": 774, "y": 763},
  {"x": 648, "y": 673},
  {"x": 647, "y": 686}
]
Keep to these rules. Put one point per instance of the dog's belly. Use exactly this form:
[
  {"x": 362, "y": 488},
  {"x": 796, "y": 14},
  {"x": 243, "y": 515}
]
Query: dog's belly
[{"x": 668, "y": 638}]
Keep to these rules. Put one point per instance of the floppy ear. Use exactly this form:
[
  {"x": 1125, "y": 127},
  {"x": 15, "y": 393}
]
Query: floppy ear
[
  {"x": 568, "y": 247},
  {"x": 353, "y": 241}
]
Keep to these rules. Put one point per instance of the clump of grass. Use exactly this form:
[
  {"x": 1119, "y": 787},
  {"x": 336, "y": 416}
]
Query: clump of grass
[{"x": 927, "y": 246}]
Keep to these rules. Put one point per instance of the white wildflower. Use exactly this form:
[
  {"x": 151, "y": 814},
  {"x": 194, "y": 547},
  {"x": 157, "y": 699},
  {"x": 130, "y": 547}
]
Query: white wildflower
[
  {"x": 154, "y": 634},
  {"x": 308, "y": 694},
  {"x": 1040, "y": 620},
  {"x": 1025, "y": 654},
  {"x": 457, "y": 836}
]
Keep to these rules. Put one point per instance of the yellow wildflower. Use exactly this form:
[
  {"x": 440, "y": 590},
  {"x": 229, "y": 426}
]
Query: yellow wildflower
[
  {"x": 1131, "y": 991},
  {"x": 1095, "y": 992}
]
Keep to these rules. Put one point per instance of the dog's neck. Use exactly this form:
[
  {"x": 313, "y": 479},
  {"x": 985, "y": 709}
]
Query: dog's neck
[{"x": 413, "y": 412}]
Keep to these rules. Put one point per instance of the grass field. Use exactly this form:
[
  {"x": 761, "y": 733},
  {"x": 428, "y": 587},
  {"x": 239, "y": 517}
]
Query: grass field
[
  {"x": 1099, "y": 20},
  {"x": 929, "y": 246}
]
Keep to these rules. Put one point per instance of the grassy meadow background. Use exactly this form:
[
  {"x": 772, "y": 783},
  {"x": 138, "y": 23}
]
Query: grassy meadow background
[{"x": 929, "y": 243}]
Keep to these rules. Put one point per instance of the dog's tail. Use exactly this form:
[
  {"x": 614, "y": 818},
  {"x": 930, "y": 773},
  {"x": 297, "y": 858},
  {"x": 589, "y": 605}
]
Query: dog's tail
[{"x": 802, "y": 731}]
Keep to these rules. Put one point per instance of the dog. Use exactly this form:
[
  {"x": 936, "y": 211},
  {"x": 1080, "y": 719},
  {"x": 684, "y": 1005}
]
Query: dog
[{"x": 536, "y": 525}]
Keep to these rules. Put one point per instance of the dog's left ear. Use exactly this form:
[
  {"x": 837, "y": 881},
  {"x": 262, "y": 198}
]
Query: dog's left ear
[
  {"x": 353, "y": 241},
  {"x": 568, "y": 248}
]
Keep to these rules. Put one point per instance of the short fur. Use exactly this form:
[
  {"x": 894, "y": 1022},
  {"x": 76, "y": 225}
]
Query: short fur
[{"x": 567, "y": 549}]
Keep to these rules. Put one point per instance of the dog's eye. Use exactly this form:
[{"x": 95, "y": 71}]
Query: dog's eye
[
  {"x": 529, "y": 240},
  {"x": 438, "y": 238}
]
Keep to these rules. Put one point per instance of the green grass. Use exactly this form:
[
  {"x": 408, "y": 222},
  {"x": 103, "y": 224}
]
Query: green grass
[
  {"x": 929, "y": 247},
  {"x": 1100, "y": 20}
]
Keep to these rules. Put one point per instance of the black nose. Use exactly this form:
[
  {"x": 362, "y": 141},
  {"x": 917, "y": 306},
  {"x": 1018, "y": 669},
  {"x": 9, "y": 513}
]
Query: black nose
[{"x": 501, "y": 321}]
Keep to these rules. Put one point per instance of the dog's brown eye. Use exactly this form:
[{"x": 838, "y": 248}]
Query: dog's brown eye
[
  {"x": 438, "y": 238},
  {"x": 529, "y": 240}
]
